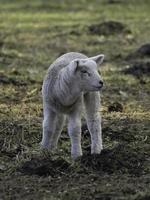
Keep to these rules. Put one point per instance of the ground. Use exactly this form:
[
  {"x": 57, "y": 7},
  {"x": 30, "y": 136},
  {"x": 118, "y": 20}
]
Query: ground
[{"x": 32, "y": 35}]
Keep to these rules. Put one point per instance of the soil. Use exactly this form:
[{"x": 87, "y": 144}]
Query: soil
[
  {"x": 114, "y": 1},
  {"x": 120, "y": 159},
  {"x": 139, "y": 69},
  {"x": 141, "y": 52},
  {"x": 14, "y": 80},
  {"x": 115, "y": 107},
  {"x": 108, "y": 28},
  {"x": 45, "y": 167},
  {"x": 10, "y": 80}
]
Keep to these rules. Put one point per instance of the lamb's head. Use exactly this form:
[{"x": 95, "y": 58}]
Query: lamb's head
[{"x": 86, "y": 73}]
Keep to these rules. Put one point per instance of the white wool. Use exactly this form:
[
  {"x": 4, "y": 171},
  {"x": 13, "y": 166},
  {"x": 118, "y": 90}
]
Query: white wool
[{"x": 72, "y": 83}]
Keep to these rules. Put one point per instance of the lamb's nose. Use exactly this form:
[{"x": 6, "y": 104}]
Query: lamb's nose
[{"x": 101, "y": 83}]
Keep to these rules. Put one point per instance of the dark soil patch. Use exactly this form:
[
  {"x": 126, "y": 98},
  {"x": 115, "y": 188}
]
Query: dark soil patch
[
  {"x": 45, "y": 167},
  {"x": 12, "y": 153},
  {"x": 75, "y": 32},
  {"x": 121, "y": 159},
  {"x": 141, "y": 52},
  {"x": 121, "y": 135},
  {"x": 114, "y": 1},
  {"x": 144, "y": 50},
  {"x": 108, "y": 28},
  {"x": 15, "y": 81},
  {"x": 144, "y": 197},
  {"x": 138, "y": 69},
  {"x": 115, "y": 107},
  {"x": 10, "y": 80}
]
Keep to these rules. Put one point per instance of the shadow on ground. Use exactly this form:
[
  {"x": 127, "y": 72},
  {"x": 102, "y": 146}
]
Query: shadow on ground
[{"x": 120, "y": 159}]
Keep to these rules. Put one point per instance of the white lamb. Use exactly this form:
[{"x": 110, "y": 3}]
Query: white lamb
[{"x": 72, "y": 83}]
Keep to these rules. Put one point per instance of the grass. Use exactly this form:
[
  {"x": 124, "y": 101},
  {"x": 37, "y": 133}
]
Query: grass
[{"x": 32, "y": 35}]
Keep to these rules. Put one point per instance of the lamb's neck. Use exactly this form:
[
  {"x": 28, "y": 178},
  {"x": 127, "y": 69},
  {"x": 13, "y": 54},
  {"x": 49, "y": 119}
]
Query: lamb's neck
[{"x": 67, "y": 89}]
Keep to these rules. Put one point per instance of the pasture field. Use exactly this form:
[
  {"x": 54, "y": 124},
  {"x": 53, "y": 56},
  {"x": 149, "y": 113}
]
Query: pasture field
[{"x": 32, "y": 35}]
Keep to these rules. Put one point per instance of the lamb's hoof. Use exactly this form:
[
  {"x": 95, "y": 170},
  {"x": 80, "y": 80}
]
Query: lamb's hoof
[
  {"x": 76, "y": 156},
  {"x": 44, "y": 146},
  {"x": 96, "y": 152},
  {"x": 96, "y": 149},
  {"x": 45, "y": 151}
]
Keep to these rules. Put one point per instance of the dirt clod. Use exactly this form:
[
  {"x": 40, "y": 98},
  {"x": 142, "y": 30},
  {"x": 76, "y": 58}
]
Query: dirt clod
[
  {"x": 113, "y": 1},
  {"x": 119, "y": 159},
  {"x": 10, "y": 80},
  {"x": 45, "y": 167},
  {"x": 115, "y": 107},
  {"x": 108, "y": 28},
  {"x": 144, "y": 50},
  {"x": 141, "y": 52},
  {"x": 138, "y": 69}
]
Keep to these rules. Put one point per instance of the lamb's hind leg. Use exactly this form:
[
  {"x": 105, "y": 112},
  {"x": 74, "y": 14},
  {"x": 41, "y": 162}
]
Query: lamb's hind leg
[
  {"x": 49, "y": 124},
  {"x": 59, "y": 126},
  {"x": 92, "y": 105}
]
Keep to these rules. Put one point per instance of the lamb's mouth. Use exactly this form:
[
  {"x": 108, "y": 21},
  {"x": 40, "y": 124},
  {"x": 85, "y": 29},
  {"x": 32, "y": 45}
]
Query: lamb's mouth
[{"x": 97, "y": 87}]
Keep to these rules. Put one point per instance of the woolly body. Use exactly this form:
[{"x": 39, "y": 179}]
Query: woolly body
[{"x": 71, "y": 84}]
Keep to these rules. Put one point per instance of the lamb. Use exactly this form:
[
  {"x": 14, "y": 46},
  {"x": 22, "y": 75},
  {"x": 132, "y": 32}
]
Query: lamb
[{"x": 72, "y": 85}]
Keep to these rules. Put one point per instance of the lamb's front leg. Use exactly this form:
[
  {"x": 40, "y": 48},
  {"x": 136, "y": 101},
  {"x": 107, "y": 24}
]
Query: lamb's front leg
[
  {"x": 49, "y": 124},
  {"x": 94, "y": 126},
  {"x": 74, "y": 129},
  {"x": 92, "y": 103}
]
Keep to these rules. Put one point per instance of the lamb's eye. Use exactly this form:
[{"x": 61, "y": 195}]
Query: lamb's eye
[{"x": 84, "y": 71}]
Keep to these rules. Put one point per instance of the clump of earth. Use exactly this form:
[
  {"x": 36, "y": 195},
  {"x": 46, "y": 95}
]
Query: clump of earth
[
  {"x": 45, "y": 166},
  {"x": 114, "y": 1},
  {"x": 141, "y": 52},
  {"x": 138, "y": 69},
  {"x": 108, "y": 28},
  {"x": 120, "y": 159},
  {"x": 139, "y": 62},
  {"x": 115, "y": 107}
]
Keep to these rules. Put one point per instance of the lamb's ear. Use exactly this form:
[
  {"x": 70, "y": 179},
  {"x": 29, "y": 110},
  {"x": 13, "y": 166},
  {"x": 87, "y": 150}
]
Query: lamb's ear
[
  {"x": 98, "y": 59},
  {"x": 74, "y": 65}
]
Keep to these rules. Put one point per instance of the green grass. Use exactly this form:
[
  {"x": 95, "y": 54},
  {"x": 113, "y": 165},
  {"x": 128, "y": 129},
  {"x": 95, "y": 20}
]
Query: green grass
[{"x": 32, "y": 35}]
